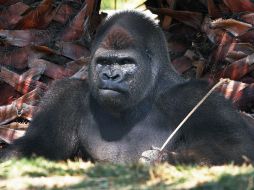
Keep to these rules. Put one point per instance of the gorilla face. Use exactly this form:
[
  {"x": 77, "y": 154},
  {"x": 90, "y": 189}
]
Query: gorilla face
[{"x": 119, "y": 79}]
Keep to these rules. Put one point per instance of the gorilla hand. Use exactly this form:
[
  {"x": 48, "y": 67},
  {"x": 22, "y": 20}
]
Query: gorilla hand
[{"x": 152, "y": 156}]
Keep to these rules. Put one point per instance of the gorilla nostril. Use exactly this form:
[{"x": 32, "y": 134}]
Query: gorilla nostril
[
  {"x": 105, "y": 76},
  {"x": 115, "y": 77}
]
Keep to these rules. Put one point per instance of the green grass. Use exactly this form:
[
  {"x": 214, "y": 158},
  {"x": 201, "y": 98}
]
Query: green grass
[
  {"x": 120, "y": 4},
  {"x": 42, "y": 174}
]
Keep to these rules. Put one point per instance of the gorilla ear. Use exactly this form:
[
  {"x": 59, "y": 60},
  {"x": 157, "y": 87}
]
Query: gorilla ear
[{"x": 117, "y": 38}]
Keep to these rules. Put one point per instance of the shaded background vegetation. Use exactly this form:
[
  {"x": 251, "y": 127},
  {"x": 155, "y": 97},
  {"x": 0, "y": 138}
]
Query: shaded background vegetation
[{"x": 120, "y": 4}]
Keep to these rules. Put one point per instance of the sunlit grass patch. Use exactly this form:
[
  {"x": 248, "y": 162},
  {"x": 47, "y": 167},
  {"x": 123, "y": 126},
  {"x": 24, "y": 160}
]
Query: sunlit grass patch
[{"x": 42, "y": 174}]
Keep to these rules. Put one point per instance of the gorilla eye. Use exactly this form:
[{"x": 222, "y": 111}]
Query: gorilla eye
[
  {"x": 126, "y": 61},
  {"x": 102, "y": 61}
]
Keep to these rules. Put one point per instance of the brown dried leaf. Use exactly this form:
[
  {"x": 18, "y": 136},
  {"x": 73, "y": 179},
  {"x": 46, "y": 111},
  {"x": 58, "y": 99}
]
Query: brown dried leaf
[
  {"x": 19, "y": 58},
  {"x": 16, "y": 125},
  {"x": 15, "y": 110},
  {"x": 240, "y": 6},
  {"x": 249, "y": 17},
  {"x": 223, "y": 48},
  {"x": 11, "y": 16},
  {"x": 63, "y": 13},
  {"x": 37, "y": 18},
  {"x": 176, "y": 48},
  {"x": 221, "y": 38},
  {"x": 166, "y": 22},
  {"x": 197, "y": 61},
  {"x": 82, "y": 74},
  {"x": 247, "y": 37},
  {"x": 231, "y": 90},
  {"x": 53, "y": 70},
  {"x": 76, "y": 28},
  {"x": 76, "y": 1},
  {"x": 200, "y": 67},
  {"x": 34, "y": 73},
  {"x": 72, "y": 50},
  {"x": 28, "y": 111},
  {"x": 33, "y": 97},
  {"x": 17, "y": 9},
  {"x": 3, "y": 1},
  {"x": 248, "y": 79},
  {"x": 21, "y": 107},
  {"x": 8, "y": 94},
  {"x": 239, "y": 68},
  {"x": 95, "y": 21},
  {"x": 19, "y": 82},
  {"x": 90, "y": 7},
  {"x": 233, "y": 56},
  {"x": 9, "y": 135},
  {"x": 235, "y": 27},
  {"x": 7, "y": 113},
  {"x": 182, "y": 64},
  {"x": 215, "y": 35},
  {"x": 193, "y": 19},
  {"x": 167, "y": 19},
  {"x": 213, "y": 10},
  {"x": 78, "y": 64},
  {"x": 43, "y": 49},
  {"x": 245, "y": 97},
  {"x": 246, "y": 48},
  {"x": 23, "y": 38},
  {"x": 224, "y": 9},
  {"x": 8, "y": 2},
  {"x": 191, "y": 55}
]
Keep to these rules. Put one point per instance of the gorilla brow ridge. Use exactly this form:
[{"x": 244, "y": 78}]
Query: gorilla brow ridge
[{"x": 117, "y": 38}]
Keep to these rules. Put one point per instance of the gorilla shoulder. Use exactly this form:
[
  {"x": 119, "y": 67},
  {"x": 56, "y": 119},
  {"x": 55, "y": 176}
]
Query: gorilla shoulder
[
  {"x": 72, "y": 89},
  {"x": 186, "y": 95}
]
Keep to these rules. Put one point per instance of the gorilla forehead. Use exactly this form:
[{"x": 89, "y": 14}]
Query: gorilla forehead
[
  {"x": 118, "y": 38},
  {"x": 122, "y": 28}
]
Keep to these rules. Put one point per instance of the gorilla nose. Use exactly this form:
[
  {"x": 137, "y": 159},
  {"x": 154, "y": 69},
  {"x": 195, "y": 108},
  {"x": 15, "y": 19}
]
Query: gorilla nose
[{"x": 115, "y": 76}]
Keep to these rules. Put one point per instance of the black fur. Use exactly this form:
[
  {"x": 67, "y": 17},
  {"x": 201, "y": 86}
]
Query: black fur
[{"x": 132, "y": 101}]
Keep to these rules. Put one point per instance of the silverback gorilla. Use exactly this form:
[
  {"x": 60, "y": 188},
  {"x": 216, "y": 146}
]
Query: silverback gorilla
[{"x": 133, "y": 99}]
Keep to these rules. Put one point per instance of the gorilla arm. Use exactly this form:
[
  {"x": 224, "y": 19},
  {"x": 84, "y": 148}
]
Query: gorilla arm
[
  {"x": 214, "y": 134},
  {"x": 53, "y": 131}
]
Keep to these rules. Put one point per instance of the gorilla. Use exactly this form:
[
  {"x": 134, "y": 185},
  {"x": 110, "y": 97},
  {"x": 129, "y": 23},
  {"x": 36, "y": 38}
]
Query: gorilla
[{"x": 133, "y": 100}]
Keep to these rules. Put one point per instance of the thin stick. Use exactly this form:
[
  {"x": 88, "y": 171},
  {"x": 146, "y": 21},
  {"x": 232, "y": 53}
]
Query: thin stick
[{"x": 192, "y": 111}]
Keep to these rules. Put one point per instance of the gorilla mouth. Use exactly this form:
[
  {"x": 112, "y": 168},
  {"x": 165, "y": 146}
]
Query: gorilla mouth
[
  {"x": 113, "y": 88},
  {"x": 110, "y": 91},
  {"x": 106, "y": 92}
]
